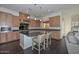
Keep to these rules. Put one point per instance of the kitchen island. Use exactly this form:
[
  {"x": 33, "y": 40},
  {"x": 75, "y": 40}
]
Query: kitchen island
[{"x": 26, "y": 38}]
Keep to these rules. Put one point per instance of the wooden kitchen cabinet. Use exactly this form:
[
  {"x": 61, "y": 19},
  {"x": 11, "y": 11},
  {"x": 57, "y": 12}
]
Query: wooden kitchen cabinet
[
  {"x": 34, "y": 23},
  {"x": 15, "y": 21},
  {"x": 56, "y": 35},
  {"x": 5, "y": 19},
  {"x": 54, "y": 21},
  {"x": 9, "y": 36},
  {"x": 2, "y": 18},
  {"x": 8, "y": 20},
  {"x": 15, "y": 35},
  {"x": 3, "y": 38}
]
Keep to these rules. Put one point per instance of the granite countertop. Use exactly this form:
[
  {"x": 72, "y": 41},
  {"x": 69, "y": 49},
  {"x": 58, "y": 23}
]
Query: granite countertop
[
  {"x": 36, "y": 32},
  {"x": 31, "y": 34},
  {"x": 30, "y": 30}
]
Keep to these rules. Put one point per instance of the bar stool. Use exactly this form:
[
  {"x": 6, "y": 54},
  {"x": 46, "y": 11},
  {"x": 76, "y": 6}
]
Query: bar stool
[
  {"x": 38, "y": 43},
  {"x": 50, "y": 36},
  {"x": 48, "y": 39}
]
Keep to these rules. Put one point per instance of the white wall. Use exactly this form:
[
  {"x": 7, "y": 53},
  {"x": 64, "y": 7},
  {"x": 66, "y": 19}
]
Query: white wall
[{"x": 65, "y": 16}]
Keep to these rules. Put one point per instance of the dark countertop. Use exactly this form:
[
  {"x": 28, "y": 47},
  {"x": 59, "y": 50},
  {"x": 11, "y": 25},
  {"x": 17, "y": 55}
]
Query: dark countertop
[
  {"x": 35, "y": 32},
  {"x": 46, "y": 29},
  {"x": 32, "y": 32}
]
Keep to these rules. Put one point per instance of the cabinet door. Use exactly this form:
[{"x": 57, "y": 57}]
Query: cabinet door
[
  {"x": 54, "y": 21},
  {"x": 37, "y": 23},
  {"x": 2, "y": 19},
  {"x": 9, "y": 20},
  {"x": 15, "y": 35},
  {"x": 15, "y": 21},
  {"x": 34, "y": 23},
  {"x": 3, "y": 38},
  {"x": 9, "y": 36},
  {"x": 56, "y": 34}
]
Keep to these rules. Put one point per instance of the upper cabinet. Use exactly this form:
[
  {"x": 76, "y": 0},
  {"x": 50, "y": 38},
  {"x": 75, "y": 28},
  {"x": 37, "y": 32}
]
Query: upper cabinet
[
  {"x": 54, "y": 21},
  {"x": 34, "y": 23},
  {"x": 10, "y": 20},
  {"x": 2, "y": 19},
  {"x": 23, "y": 16},
  {"x": 15, "y": 21}
]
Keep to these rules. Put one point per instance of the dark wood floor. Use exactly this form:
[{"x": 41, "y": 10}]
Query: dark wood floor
[{"x": 57, "y": 47}]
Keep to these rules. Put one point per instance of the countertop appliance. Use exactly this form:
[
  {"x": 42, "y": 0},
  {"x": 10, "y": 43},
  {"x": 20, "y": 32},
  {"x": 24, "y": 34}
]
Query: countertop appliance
[{"x": 5, "y": 28}]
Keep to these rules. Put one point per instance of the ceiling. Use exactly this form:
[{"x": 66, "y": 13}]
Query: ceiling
[{"x": 38, "y": 10}]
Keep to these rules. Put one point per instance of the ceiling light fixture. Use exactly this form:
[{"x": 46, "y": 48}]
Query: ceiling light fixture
[
  {"x": 40, "y": 20},
  {"x": 28, "y": 17},
  {"x": 35, "y": 4},
  {"x": 35, "y": 19}
]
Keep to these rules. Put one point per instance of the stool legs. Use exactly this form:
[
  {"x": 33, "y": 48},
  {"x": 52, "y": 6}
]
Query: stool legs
[
  {"x": 32, "y": 45},
  {"x": 50, "y": 42},
  {"x": 39, "y": 48},
  {"x": 46, "y": 43}
]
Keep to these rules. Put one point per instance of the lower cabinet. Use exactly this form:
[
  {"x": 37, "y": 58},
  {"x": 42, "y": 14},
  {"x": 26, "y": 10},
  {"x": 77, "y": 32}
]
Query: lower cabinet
[
  {"x": 56, "y": 35},
  {"x": 15, "y": 35},
  {"x": 3, "y": 38},
  {"x": 10, "y": 36}
]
